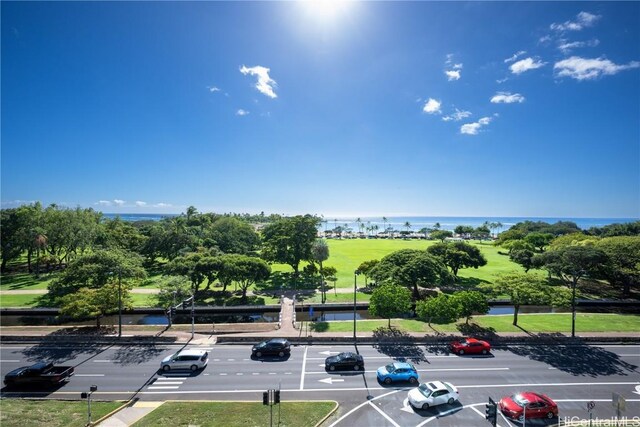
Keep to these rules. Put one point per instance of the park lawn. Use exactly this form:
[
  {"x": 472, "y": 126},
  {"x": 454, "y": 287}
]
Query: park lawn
[
  {"x": 336, "y": 298},
  {"x": 25, "y": 281},
  {"x": 28, "y": 300},
  {"x": 561, "y": 322},
  {"x": 38, "y": 413},
  {"x": 236, "y": 414}
]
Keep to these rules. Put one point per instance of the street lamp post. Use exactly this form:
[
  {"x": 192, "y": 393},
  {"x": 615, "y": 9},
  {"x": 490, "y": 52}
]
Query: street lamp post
[
  {"x": 355, "y": 290},
  {"x": 119, "y": 303}
]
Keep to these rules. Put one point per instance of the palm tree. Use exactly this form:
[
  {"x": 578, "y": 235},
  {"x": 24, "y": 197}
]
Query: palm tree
[
  {"x": 360, "y": 224},
  {"x": 384, "y": 221},
  {"x": 407, "y": 225},
  {"x": 436, "y": 226}
]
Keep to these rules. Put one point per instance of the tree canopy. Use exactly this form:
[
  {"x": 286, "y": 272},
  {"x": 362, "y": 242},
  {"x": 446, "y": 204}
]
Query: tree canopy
[
  {"x": 390, "y": 300},
  {"x": 289, "y": 240}
]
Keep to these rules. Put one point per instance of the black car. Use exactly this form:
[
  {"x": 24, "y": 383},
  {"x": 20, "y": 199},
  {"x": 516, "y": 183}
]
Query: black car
[
  {"x": 273, "y": 347},
  {"x": 344, "y": 361}
]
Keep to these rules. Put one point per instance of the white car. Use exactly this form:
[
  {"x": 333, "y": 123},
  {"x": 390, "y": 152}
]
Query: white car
[
  {"x": 432, "y": 394},
  {"x": 186, "y": 359}
]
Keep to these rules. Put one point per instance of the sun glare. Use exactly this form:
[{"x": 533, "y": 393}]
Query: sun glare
[{"x": 326, "y": 10}]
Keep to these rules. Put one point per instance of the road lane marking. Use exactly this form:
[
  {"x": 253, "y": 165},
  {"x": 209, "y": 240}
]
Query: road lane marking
[
  {"x": 102, "y": 361},
  {"x": 151, "y": 387},
  {"x": 222, "y": 373},
  {"x": 331, "y": 380},
  {"x": 8, "y": 361},
  {"x": 360, "y": 406},
  {"x": 239, "y": 373},
  {"x": 383, "y": 414},
  {"x": 272, "y": 373},
  {"x": 397, "y": 357},
  {"x": 169, "y": 382},
  {"x": 88, "y": 375},
  {"x": 172, "y": 377},
  {"x": 304, "y": 367},
  {"x": 255, "y": 373},
  {"x": 423, "y": 370}
]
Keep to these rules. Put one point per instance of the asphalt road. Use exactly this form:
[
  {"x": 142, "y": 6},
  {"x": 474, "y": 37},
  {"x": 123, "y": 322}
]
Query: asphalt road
[{"x": 571, "y": 375}]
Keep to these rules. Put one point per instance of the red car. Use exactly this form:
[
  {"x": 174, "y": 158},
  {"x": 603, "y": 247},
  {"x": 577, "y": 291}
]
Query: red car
[
  {"x": 470, "y": 346},
  {"x": 528, "y": 405}
]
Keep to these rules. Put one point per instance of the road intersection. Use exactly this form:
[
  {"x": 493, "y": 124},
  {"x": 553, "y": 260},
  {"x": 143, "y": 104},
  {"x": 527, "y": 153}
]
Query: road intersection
[{"x": 571, "y": 375}]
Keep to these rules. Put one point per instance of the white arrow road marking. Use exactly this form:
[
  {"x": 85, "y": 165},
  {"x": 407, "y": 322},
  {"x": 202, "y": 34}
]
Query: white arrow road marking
[
  {"x": 173, "y": 387},
  {"x": 331, "y": 380},
  {"x": 102, "y": 361},
  {"x": 88, "y": 375},
  {"x": 373, "y": 405},
  {"x": 329, "y": 353},
  {"x": 169, "y": 382},
  {"x": 637, "y": 390},
  {"x": 405, "y": 405}
]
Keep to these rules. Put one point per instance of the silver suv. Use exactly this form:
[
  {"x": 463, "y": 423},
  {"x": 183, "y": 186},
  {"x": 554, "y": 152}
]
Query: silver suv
[{"x": 185, "y": 359}]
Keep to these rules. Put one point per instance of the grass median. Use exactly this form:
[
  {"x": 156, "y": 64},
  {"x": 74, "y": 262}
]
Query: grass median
[
  {"x": 240, "y": 414},
  {"x": 40, "y": 413},
  {"x": 535, "y": 323}
]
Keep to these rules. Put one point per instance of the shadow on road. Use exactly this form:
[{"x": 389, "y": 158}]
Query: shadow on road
[
  {"x": 439, "y": 411},
  {"x": 398, "y": 344},
  {"x": 575, "y": 358}
]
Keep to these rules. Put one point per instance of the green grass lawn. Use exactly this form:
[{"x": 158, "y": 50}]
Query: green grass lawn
[
  {"x": 38, "y": 413},
  {"x": 585, "y": 322},
  {"x": 236, "y": 414},
  {"x": 29, "y": 300},
  {"x": 25, "y": 281}
]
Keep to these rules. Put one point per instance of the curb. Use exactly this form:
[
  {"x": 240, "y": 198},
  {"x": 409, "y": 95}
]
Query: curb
[{"x": 329, "y": 414}]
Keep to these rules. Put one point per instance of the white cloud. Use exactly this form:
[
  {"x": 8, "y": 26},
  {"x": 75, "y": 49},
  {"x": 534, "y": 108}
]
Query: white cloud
[
  {"x": 525, "y": 65},
  {"x": 453, "y": 75},
  {"x": 565, "y": 46},
  {"x": 140, "y": 203},
  {"x": 162, "y": 205},
  {"x": 457, "y": 116},
  {"x": 515, "y": 56},
  {"x": 241, "y": 112},
  {"x": 507, "y": 98},
  {"x": 457, "y": 66},
  {"x": 265, "y": 83},
  {"x": 474, "y": 128},
  {"x": 103, "y": 203},
  {"x": 500, "y": 81},
  {"x": 583, "y": 20},
  {"x": 119, "y": 202},
  {"x": 544, "y": 39},
  {"x": 586, "y": 68},
  {"x": 213, "y": 89},
  {"x": 432, "y": 106}
]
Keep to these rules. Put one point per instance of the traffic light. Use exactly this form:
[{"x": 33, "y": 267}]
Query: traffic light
[
  {"x": 265, "y": 398},
  {"x": 184, "y": 304},
  {"x": 172, "y": 311},
  {"x": 491, "y": 412},
  {"x": 276, "y": 396}
]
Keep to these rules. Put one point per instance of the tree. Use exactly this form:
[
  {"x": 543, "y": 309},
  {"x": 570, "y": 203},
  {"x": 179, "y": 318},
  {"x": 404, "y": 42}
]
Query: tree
[
  {"x": 88, "y": 302},
  {"x": 232, "y": 235},
  {"x": 457, "y": 255},
  {"x": 389, "y": 301},
  {"x": 320, "y": 253},
  {"x": 623, "y": 269},
  {"x": 463, "y": 230},
  {"x": 442, "y": 309},
  {"x": 249, "y": 271},
  {"x": 385, "y": 221},
  {"x": 407, "y": 225},
  {"x": 539, "y": 240},
  {"x": 190, "y": 266},
  {"x": 470, "y": 303},
  {"x": 441, "y": 234},
  {"x": 289, "y": 240},
  {"x": 411, "y": 268},
  {"x": 366, "y": 268},
  {"x": 96, "y": 270},
  {"x": 172, "y": 291},
  {"x": 524, "y": 257},
  {"x": 522, "y": 289}
]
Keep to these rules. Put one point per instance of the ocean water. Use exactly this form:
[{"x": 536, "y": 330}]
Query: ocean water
[{"x": 418, "y": 222}]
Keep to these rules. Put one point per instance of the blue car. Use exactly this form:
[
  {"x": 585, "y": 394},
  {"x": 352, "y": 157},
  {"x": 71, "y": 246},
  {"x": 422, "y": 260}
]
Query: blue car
[{"x": 398, "y": 371}]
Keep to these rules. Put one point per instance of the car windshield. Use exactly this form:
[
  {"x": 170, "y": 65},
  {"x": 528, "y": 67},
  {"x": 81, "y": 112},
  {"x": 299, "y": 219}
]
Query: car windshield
[
  {"x": 262, "y": 344},
  {"x": 390, "y": 368},
  {"x": 519, "y": 400},
  {"x": 464, "y": 342},
  {"x": 343, "y": 356},
  {"x": 425, "y": 390}
]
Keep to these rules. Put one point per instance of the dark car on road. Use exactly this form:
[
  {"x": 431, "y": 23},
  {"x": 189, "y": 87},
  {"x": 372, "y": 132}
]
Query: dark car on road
[
  {"x": 273, "y": 347},
  {"x": 41, "y": 374},
  {"x": 343, "y": 361}
]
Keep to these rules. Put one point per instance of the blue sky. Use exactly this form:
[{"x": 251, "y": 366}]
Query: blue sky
[{"x": 334, "y": 108}]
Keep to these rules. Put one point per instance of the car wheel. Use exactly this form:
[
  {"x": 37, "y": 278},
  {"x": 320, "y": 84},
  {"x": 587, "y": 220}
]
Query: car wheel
[
  {"x": 550, "y": 415},
  {"x": 461, "y": 352},
  {"x": 258, "y": 354},
  {"x": 281, "y": 354},
  {"x": 332, "y": 368},
  {"x": 484, "y": 351},
  {"x": 425, "y": 406},
  {"x": 356, "y": 367},
  {"x": 387, "y": 380},
  {"x": 166, "y": 368},
  {"x": 451, "y": 400},
  {"x": 413, "y": 380},
  {"x": 194, "y": 368}
]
